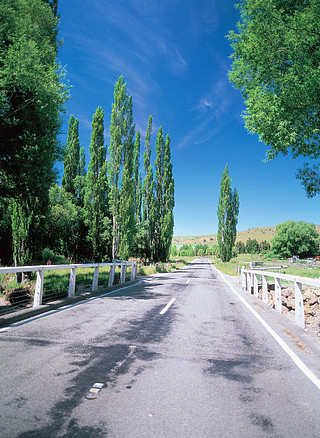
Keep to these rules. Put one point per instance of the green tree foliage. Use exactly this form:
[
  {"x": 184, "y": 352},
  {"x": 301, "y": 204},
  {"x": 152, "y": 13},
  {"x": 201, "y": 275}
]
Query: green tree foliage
[
  {"x": 168, "y": 201},
  {"x": 54, "y": 5},
  {"x": 228, "y": 210},
  {"x": 276, "y": 66},
  {"x": 173, "y": 251},
  {"x": 71, "y": 160},
  {"x": 201, "y": 250},
  {"x": 127, "y": 198},
  {"x": 295, "y": 238},
  {"x": 164, "y": 198},
  {"x": 31, "y": 101},
  {"x": 120, "y": 169},
  {"x": 148, "y": 199},
  {"x": 252, "y": 246},
  {"x": 137, "y": 181},
  {"x": 186, "y": 250},
  {"x": 5, "y": 231},
  {"x": 241, "y": 248},
  {"x": 96, "y": 194},
  {"x": 64, "y": 223},
  {"x": 264, "y": 246}
]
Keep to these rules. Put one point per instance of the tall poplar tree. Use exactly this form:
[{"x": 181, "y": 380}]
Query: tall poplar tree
[
  {"x": 228, "y": 211},
  {"x": 71, "y": 160},
  {"x": 147, "y": 228},
  {"x": 137, "y": 180},
  {"x": 126, "y": 204},
  {"x": 96, "y": 196},
  {"x": 168, "y": 202},
  {"x": 158, "y": 187},
  {"x": 120, "y": 154},
  {"x": 164, "y": 198}
]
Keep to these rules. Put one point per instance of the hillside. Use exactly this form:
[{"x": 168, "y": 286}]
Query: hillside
[{"x": 259, "y": 233}]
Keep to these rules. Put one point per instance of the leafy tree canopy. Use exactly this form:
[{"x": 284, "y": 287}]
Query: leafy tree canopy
[
  {"x": 295, "y": 238},
  {"x": 276, "y": 66}
]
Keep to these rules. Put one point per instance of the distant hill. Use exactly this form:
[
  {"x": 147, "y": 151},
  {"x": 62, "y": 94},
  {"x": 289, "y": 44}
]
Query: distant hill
[{"x": 259, "y": 233}]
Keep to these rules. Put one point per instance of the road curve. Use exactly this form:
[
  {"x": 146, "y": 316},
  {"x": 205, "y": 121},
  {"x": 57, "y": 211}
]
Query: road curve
[{"x": 178, "y": 355}]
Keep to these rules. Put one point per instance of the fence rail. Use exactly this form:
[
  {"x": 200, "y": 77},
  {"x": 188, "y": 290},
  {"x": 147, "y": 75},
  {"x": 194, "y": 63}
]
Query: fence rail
[
  {"x": 250, "y": 280},
  {"x": 38, "y": 295}
]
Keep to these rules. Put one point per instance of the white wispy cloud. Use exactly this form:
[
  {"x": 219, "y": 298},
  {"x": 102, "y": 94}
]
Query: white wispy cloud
[{"x": 211, "y": 114}]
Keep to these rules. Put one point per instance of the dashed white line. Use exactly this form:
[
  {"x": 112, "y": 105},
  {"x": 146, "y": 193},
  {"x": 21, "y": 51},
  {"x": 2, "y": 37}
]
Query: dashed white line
[
  {"x": 167, "y": 306},
  {"x": 188, "y": 281}
]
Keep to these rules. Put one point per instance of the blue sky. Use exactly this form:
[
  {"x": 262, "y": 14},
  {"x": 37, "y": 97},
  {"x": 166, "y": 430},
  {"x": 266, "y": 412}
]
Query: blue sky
[{"x": 174, "y": 56}]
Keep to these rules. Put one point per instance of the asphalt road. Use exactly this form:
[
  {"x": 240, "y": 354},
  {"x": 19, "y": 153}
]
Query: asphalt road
[{"x": 204, "y": 367}]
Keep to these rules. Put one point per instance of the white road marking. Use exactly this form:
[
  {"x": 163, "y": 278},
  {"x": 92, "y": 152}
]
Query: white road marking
[
  {"x": 52, "y": 312},
  {"x": 308, "y": 373},
  {"x": 167, "y": 306},
  {"x": 188, "y": 281}
]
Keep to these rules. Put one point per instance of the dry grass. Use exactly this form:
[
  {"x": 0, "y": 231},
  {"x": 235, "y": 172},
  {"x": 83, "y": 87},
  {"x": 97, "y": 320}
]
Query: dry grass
[{"x": 259, "y": 233}]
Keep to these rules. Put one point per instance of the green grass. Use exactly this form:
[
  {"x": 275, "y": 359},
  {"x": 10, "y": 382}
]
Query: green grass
[
  {"x": 56, "y": 283},
  {"x": 243, "y": 259},
  {"x": 302, "y": 272},
  {"x": 174, "y": 264}
]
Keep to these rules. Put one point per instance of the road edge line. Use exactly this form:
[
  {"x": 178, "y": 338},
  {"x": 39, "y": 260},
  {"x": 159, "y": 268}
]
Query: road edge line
[
  {"x": 52, "y": 312},
  {"x": 296, "y": 359}
]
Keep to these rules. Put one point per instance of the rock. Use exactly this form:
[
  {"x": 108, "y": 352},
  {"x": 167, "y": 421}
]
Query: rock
[
  {"x": 284, "y": 310},
  {"x": 308, "y": 310},
  {"x": 309, "y": 295},
  {"x": 291, "y": 304},
  {"x": 310, "y": 320},
  {"x": 312, "y": 301}
]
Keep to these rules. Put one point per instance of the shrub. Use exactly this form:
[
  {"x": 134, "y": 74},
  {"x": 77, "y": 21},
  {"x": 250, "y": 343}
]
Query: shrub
[{"x": 48, "y": 256}]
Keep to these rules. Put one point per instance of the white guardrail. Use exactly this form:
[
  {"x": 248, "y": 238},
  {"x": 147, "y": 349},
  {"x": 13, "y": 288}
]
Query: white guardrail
[
  {"x": 37, "y": 300},
  {"x": 250, "y": 280}
]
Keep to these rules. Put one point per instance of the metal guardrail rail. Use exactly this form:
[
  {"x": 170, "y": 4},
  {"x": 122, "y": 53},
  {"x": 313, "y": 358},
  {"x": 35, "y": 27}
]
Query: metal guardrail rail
[
  {"x": 249, "y": 280},
  {"x": 40, "y": 269}
]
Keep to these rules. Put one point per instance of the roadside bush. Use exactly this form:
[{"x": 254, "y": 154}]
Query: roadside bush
[{"x": 48, "y": 256}]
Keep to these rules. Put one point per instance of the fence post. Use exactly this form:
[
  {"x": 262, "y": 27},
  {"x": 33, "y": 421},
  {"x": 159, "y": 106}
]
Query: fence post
[
  {"x": 95, "y": 279},
  {"x": 123, "y": 273},
  {"x": 38, "y": 294},
  {"x": 277, "y": 295},
  {"x": 243, "y": 278},
  {"x": 264, "y": 289},
  {"x": 250, "y": 282},
  {"x": 255, "y": 285},
  {"x": 299, "y": 307},
  {"x": 111, "y": 275},
  {"x": 72, "y": 282},
  {"x": 133, "y": 272}
]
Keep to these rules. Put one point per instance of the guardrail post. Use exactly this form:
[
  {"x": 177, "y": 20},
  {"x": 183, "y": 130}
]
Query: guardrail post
[
  {"x": 255, "y": 285},
  {"x": 95, "y": 279},
  {"x": 243, "y": 278},
  {"x": 123, "y": 273},
  {"x": 277, "y": 295},
  {"x": 38, "y": 294},
  {"x": 299, "y": 307},
  {"x": 111, "y": 275},
  {"x": 264, "y": 289},
  {"x": 72, "y": 283},
  {"x": 133, "y": 272},
  {"x": 250, "y": 282}
]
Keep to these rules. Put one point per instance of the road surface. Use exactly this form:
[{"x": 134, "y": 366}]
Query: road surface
[{"x": 177, "y": 355}]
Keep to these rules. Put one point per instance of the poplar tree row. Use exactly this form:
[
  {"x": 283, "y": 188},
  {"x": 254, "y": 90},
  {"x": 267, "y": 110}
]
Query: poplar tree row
[{"x": 117, "y": 209}]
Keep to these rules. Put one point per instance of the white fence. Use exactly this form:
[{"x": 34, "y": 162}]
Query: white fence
[
  {"x": 38, "y": 295},
  {"x": 250, "y": 280}
]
